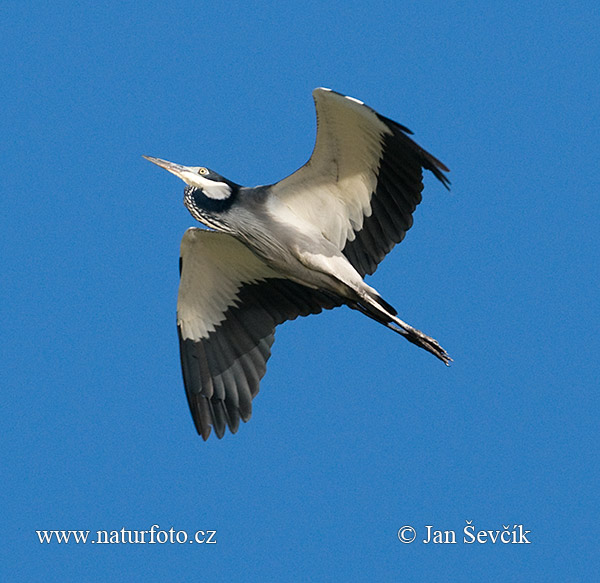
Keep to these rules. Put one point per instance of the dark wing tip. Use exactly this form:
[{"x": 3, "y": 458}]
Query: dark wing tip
[
  {"x": 436, "y": 167},
  {"x": 427, "y": 160},
  {"x": 204, "y": 433}
]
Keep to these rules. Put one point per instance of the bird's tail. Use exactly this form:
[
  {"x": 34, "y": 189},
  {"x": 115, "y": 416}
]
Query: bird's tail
[{"x": 380, "y": 311}]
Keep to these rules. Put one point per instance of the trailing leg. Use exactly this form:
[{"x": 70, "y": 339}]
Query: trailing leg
[{"x": 375, "y": 310}]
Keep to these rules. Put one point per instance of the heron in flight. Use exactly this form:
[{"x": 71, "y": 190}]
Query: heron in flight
[{"x": 293, "y": 248}]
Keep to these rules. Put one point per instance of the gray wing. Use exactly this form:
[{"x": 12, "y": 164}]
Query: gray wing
[
  {"x": 363, "y": 181},
  {"x": 228, "y": 306}
]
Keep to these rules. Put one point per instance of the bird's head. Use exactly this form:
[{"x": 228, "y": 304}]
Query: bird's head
[{"x": 206, "y": 191}]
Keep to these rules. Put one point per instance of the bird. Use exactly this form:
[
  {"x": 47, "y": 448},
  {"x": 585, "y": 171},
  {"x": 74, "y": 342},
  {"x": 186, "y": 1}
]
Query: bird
[{"x": 269, "y": 254}]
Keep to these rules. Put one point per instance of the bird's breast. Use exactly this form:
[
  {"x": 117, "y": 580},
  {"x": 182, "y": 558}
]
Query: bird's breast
[{"x": 301, "y": 254}]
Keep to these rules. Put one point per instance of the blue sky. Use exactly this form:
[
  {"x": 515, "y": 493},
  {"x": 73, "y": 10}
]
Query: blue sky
[{"x": 355, "y": 433}]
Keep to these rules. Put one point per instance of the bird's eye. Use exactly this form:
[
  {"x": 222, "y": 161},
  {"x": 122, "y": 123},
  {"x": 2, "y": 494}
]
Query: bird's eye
[{"x": 203, "y": 171}]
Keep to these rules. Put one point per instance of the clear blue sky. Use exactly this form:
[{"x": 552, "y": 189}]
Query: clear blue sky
[{"x": 355, "y": 432}]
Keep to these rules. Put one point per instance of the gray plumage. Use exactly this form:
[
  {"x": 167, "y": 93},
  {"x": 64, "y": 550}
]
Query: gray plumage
[{"x": 291, "y": 249}]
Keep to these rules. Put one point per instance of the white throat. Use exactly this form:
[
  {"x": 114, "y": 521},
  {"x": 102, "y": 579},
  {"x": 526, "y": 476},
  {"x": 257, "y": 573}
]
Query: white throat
[
  {"x": 216, "y": 190},
  {"x": 212, "y": 189}
]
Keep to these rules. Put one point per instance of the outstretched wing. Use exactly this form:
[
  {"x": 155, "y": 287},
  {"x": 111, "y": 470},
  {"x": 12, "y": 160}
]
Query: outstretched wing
[
  {"x": 228, "y": 307},
  {"x": 362, "y": 182}
]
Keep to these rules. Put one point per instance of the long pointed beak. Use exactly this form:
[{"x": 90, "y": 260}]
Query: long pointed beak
[{"x": 177, "y": 169}]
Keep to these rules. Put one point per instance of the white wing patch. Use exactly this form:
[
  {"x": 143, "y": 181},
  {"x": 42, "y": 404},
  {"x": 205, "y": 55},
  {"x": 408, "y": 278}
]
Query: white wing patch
[
  {"x": 332, "y": 191},
  {"x": 355, "y": 100},
  {"x": 214, "y": 268}
]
